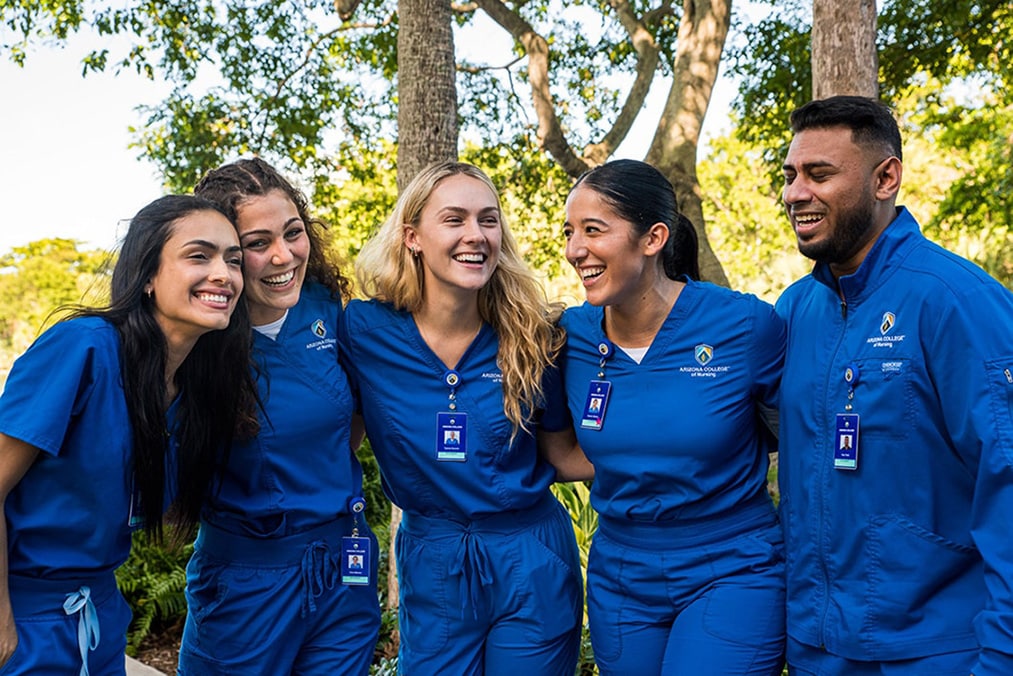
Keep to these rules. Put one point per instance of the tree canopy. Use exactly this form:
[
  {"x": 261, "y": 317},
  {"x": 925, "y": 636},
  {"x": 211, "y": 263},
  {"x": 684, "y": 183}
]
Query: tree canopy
[
  {"x": 39, "y": 277},
  {"x": 947, "y": 70},
  {"x": 311, "y": 84},
  {"x": 296, "y": 80}
]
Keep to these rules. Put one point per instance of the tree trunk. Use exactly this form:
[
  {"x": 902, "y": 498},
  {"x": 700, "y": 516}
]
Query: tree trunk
[
  {"x": 427, "y": 90},
  {"x": 844, "y": 57},
  {"x": 427, "y": 127},
  {"x": 702, "y": 33}
]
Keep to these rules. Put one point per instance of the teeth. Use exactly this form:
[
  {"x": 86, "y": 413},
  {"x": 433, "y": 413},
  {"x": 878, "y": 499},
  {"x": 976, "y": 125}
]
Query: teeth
[
  {"x": 470, "y": 258},
  {"x": 213, "y": 298},
  {"x": 808, "y": 219},
  {"x": 280, "y": 279},
  {"x": 588, "y": 273}
]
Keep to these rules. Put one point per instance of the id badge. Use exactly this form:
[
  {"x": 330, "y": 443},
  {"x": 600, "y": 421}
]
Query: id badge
[
  {"x": 846, "y": 441},
  {"x": 452, "y": 437},
  {"x": 594, "y": 406},
  {"x": 355, "y": 557}
]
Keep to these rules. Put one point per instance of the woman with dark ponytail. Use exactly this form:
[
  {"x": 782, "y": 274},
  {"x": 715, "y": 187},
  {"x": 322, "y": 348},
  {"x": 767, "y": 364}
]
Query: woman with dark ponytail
[
  {"x": 84, "y": 429},
  {"x": 664, "y": 375}
]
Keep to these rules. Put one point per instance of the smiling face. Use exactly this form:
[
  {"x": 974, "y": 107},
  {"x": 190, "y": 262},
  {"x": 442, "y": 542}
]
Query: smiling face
[
  {"x": 199, "y": 278},
  {"x": 838, "y": 196},
  {"x": 458, "y": 236},
  {"x": 276, "y": 249},
  {"x": 605, "y": 250}
]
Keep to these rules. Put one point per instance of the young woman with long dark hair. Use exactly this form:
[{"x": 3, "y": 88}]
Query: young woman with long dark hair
[{"x": 85, "y": 422}]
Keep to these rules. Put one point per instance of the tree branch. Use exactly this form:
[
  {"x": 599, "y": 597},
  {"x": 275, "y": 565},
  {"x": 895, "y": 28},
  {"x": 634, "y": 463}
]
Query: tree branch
[
  {"x": 550, "y": 132},
  {"x": 474, "y": 70},
  {"x": 283, "y": 82},
  {"x": 702, "y": 32},
  {"x": 648, "y": 57}
]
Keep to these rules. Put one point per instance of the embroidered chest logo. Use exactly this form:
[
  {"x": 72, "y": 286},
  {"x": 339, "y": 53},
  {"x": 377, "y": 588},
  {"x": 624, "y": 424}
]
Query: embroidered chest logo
[
  {"x": 888, "y": 321},
  {"x": 319, "y": 330},
  {"x": 704, "y": 356},
  {"x": 886, "y": 325}
]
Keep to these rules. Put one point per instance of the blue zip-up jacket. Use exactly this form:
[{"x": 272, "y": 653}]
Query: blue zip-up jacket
[{"x": 911, "y": 554}]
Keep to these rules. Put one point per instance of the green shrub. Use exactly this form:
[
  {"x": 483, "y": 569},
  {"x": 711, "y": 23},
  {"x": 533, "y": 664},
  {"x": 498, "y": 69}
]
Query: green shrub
[{"x": 153, "y": 581}]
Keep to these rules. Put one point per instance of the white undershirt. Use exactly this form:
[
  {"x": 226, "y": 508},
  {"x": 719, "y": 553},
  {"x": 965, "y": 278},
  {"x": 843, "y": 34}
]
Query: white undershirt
[
  {"x": 635, "y": 353},
  {"x": 272, "y": 329}
]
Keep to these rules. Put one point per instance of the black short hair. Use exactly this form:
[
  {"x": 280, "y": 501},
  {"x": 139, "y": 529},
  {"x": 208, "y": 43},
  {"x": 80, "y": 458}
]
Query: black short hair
[{"x": 870, "y": 121}]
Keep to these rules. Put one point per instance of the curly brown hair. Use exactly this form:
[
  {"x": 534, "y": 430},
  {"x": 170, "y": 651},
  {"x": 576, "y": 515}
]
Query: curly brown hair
[{"x": 231, "y": 184}]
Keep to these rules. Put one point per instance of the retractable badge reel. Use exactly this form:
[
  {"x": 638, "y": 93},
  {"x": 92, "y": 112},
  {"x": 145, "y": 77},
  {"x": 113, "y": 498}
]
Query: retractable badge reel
[
  {"x": 356, "y": 551},
  {"x": 593, "y": 417},
  {"x": 846, "y": 433},
  {"x": 452, "y": 425}
]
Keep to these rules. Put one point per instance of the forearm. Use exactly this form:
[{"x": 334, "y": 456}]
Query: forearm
[
  {"x": 8, "y": 631},
  {"x": 563, "y": 452}
]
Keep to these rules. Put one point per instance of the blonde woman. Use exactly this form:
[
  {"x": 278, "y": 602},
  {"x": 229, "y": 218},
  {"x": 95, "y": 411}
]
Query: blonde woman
[{"x": 451, "y": 358}]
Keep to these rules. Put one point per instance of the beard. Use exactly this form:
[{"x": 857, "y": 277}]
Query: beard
[{"x": 850, "y": 233}]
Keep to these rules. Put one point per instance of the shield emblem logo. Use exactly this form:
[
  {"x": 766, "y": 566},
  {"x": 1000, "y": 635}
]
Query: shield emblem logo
[
  {"x": 888, "y": 321},
  {"x": 704, "y": 354},
  {"x": 318, "y": 328}
]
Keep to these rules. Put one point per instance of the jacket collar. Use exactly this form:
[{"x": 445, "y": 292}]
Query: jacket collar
[{"x": 883, "y": 259}]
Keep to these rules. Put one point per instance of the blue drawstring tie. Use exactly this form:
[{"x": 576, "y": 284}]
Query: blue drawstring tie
[
  {"x": 319, "y": 573},
  {"x": 87, "y": 623},
  {"x": 472, "y": 564}
]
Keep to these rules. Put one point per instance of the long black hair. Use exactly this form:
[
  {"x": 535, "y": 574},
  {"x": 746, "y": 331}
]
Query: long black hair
[
  {"x": 642, "y": 195},
  {"x": 216, "y": 391},
  {"x": 232, "y": 184}
]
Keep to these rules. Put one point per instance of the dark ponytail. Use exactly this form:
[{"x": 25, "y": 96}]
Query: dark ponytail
[{"x": 640, "y": 194}]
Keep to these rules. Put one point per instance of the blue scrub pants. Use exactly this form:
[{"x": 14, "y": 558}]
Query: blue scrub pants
[
  {"x": 692, "y": 597},
  {"x": 497, "y": 596},
  {"x": 806, "y": 660},
  {"x": 277, "y": 606},
  {"x": 68, "y": 627}
]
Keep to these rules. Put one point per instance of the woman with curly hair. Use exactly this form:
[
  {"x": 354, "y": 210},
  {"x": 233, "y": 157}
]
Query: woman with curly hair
[
  {"x": 452, "y": 359},
  {"x": 283, "y": 576}
]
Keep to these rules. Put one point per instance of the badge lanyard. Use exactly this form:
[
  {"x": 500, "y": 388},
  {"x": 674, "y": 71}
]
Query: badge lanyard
[
  {"x": 356, "y": 551},
  {"x": 452, "y": 425},
  {"x": 598, "y": 391},
  {"x": 846, "y": 434}
]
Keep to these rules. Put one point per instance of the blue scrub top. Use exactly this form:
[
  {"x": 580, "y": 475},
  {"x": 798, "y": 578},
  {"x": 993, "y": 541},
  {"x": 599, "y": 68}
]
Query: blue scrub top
[
  {"x": 69, "y": 517},
  {"x": 401, "y": 386},
  {"x": 299, "y": 471},
  {"x": 680, "y": 437}
]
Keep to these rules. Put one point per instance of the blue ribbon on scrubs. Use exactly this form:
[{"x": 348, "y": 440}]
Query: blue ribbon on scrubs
[
  {"x": 87, "y": 623},
  {"x": 472, "y": 564},
  {"x": 319, "y": 573}
]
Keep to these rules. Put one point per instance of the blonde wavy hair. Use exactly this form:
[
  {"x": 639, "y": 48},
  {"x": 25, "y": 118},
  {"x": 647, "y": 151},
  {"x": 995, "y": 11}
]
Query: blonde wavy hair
[{"x": 512, "y": 302}]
